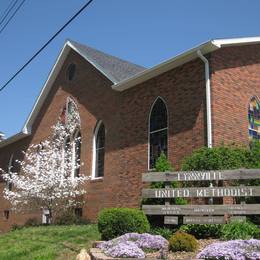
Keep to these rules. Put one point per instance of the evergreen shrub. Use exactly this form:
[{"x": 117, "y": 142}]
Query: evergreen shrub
[{"x": 114, "y": 222}]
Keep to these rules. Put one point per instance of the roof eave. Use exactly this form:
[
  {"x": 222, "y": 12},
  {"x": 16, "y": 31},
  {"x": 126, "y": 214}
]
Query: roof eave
[
  {"x": 13, "y": 139},
  {"x": 166, "y": 66}
]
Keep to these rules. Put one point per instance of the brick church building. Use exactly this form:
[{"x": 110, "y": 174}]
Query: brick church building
[{"x": 129, "y": 114}]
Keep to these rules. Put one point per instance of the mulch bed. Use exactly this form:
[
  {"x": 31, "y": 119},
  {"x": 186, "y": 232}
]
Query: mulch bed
[{"x": 191, "y": 255}]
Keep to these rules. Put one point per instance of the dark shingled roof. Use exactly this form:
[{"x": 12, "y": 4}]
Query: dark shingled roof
[{"x": 114, "y": 68}]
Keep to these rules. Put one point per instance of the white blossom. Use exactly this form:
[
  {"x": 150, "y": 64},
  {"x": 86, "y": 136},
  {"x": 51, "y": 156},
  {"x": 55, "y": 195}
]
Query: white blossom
[{"x": 46, "y": 179}]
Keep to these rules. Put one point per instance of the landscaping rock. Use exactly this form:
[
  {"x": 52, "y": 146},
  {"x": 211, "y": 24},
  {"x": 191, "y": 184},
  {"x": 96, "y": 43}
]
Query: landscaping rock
[{"x": 83, "y": 255}]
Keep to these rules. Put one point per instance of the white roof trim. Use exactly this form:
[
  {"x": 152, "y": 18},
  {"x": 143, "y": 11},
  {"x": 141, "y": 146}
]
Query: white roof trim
[
  {"x": 13, "y": 139},
  {"x": 182, "y": 58},
  {"x": 165, "y": 66},
  {"x": 179, "y": 60}
]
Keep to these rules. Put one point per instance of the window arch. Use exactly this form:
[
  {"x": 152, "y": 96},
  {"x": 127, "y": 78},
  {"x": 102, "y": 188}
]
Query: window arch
[
  {"x": 254, "y": 118},
  {"x": 71, "y": 149},
  {"x": 99, "y": 150},
  {"x": 158, "y": 131}
]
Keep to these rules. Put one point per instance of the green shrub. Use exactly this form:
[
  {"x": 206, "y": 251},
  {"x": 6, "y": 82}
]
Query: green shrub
[
  {"x": 182, "y": 241},
  {"x": 113, "y": 222},
  {"x": 238, "y": 230},
  {"x": 202, "y": 231},
  {"x": 162, "y": 164},
  {"x": 162, "y": 231},
  {"x": 257, "y": 233},
  {"x": 254, "y": 155},
  {"x": 217, "y": 158}
]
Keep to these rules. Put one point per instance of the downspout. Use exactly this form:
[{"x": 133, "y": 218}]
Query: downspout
[{"x": 208, "y": 98}]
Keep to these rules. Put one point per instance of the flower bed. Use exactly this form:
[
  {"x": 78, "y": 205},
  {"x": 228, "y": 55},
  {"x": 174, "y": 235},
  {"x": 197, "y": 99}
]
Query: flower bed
[
  {"x": 232, "y": 250},
  {"x": 134, "y": 245}
]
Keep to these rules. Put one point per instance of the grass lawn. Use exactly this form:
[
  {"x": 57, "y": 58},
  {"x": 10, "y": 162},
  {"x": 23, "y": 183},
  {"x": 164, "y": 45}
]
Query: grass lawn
[{"x": 47, "y": 242}]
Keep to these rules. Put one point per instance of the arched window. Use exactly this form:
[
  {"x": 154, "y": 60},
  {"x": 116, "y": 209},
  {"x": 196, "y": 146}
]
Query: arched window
[
  {"x": 99, "y": 151},
  {"x": 254, "y": 118},
  {"x": 72, "y": 144},
  {"x": 77, "y": 148},
  {"x": 158, "y": 131}
]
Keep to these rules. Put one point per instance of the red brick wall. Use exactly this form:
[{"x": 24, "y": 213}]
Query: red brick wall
[
  {"x": 235, "y": 79},
  {"x": 125, "y": 115}
]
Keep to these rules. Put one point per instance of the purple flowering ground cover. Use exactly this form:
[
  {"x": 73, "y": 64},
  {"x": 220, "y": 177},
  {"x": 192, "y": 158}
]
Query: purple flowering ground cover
[
  {"x": 133, "y": 245},
  {"x": 232, "y": 250}
]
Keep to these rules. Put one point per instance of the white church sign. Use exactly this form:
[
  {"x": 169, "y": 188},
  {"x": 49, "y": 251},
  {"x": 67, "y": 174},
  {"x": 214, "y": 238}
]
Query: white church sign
[{"x": 202, "y": 214}]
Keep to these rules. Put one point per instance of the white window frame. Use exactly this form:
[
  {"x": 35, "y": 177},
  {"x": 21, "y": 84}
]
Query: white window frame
[
  {"x": 76, "y": 133},
  {"x": 94, "y": 152},
  {"x": 151, "y": 132}
]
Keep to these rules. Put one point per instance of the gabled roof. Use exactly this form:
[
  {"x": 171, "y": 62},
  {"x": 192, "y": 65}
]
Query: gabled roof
[
  {"x": 114, "y": 68},
  {"x": 122, "y": 74}
]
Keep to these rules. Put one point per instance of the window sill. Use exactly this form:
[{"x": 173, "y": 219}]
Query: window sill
[{"x": 99, "y": 179}]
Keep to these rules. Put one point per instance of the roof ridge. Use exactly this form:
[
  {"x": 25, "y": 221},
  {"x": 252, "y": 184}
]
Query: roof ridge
[{"x": 104, "y": 53}]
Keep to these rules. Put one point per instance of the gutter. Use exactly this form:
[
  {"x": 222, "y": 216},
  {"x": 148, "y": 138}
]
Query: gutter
[{"x": 208, "y": 98}]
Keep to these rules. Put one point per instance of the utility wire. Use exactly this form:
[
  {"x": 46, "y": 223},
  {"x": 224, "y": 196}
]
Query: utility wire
[
  {"x": 47, "y": 43},
  {"x": 6, "y": 12},
  {"x": 12, "y": 16}
]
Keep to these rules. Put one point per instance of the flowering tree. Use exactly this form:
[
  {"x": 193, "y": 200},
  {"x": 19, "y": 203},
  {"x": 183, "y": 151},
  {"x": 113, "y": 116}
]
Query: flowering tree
[{"x": 48, "y": 179}]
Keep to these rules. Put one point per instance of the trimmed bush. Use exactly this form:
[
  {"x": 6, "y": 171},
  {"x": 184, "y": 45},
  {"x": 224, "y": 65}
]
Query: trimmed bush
[
  {"x": 182, "y": 241},
  {"x": 202, "y": 231},
  {"x": 113, "y": 222},
  {"x": 238, "y": 230}
]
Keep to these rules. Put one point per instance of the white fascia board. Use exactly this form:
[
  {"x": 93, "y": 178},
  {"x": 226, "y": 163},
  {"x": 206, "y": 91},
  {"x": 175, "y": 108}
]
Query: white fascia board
[
  {"x": 13, "y": 139},
  {"x": 40, "y": 100},
  {"x": 236, "y": 41},
  {"x": 165, "y": 66},
  {"x": 45, "y": 90}
]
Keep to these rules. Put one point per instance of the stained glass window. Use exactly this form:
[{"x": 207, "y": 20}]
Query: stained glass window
[
  {"x": 254, "y": 118},
  {"x": 158, "y": 131}
]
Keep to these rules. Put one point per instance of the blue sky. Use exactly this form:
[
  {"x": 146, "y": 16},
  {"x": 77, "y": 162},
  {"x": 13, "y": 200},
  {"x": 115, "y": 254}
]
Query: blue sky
[{"x": 145, "y": 32}]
